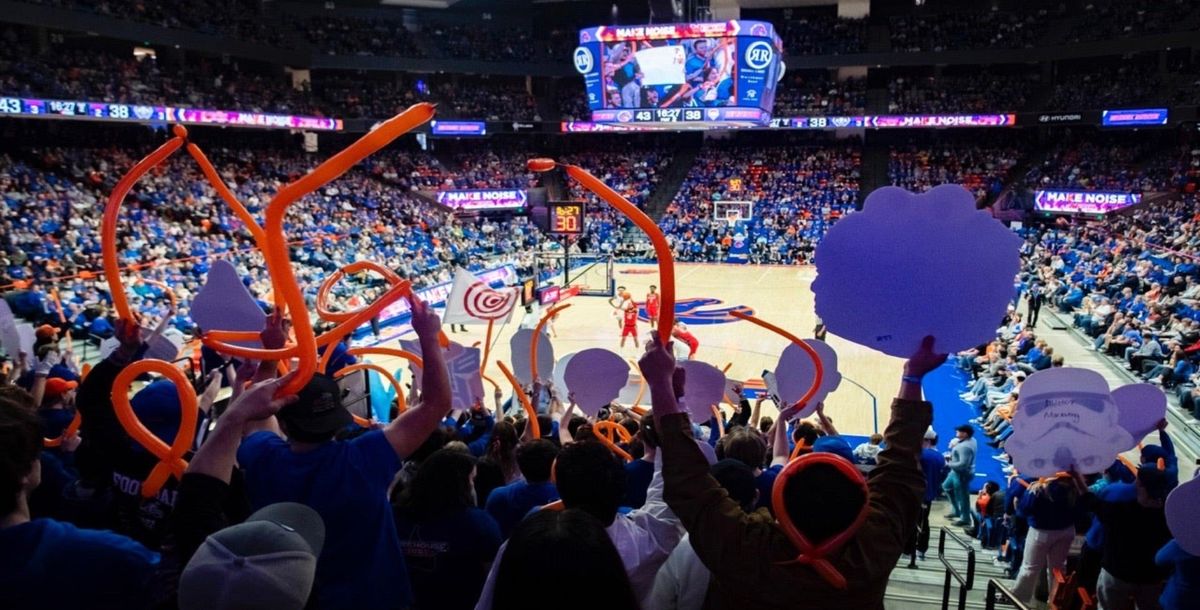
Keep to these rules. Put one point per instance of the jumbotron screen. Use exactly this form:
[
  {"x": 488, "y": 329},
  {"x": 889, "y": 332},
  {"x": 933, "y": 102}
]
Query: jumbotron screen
[{"x": 673, "y": 73}]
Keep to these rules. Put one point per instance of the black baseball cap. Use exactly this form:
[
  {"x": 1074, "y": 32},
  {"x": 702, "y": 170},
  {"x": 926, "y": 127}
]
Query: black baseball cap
[{"x": 318, "y": 412}]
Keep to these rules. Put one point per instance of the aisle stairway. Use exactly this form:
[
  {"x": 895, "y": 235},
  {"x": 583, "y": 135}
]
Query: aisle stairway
[{"x": 921, "y": 588}]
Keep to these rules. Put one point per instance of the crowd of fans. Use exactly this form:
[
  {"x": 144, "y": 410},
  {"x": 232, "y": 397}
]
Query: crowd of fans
[
  {"x": 1105, "y": 20},
  {"x": 953, "y": 31},
  {"x": 809, "y": 34},
  {"x": 96, "y": 75},
  {"x": 975, "y": 93},
  {"x": 805, "y": 93},
  {"x": 1099, "y": 163},
  {"x": 797, "y": 193},
  {"x": 282, "y": 495},
  {"x": 982, "y": 168},
  {"x": 1140, "y": 84},
  {"x": 174, "y": 225},
  {"x": 345, "y": 35},
  {"x": 493, "y": 99},
  {"x": 239, "y": 19}
]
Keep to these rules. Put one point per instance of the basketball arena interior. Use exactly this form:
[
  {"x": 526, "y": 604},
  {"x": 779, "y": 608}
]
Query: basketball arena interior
[{"x": 423, "y": 304}]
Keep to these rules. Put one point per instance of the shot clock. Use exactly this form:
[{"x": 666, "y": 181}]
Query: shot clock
[{"x": 566, "y": 218}]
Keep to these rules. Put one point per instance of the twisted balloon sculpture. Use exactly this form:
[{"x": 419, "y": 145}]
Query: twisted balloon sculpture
[{"x": 271, "y": 240}]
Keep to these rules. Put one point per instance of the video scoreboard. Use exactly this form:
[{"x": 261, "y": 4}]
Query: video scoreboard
[{"x": 681, "y": 73}]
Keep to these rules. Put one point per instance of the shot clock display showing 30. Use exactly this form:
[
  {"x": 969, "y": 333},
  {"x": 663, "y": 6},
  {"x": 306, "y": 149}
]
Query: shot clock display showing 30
[{"x": 566, "y": 218}]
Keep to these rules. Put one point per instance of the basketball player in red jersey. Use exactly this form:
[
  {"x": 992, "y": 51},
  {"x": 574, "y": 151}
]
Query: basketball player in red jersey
[
  {"x": 629, "y": 326},
  {"x": 652, "y": 306},
  {"x": 680, "y": 331}
]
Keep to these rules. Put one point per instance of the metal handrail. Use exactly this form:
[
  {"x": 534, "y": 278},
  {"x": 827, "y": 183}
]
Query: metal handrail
[
  {"x": 965, "y": 583},
  {"x": 997, "y": 591},
  {"x": 874, "y": 401}
]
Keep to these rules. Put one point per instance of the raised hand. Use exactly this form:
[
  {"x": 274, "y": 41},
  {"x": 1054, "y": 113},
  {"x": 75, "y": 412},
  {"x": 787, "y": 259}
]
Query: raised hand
[
  {"x": 211, "y": 388},
  {"x": 259, "y": 401},
  {"x": 424, "y": 321},
  {"x": 657, "y": 364},
  {"x": 275, "y": 332},
  {"x": 924, "y": 360}
]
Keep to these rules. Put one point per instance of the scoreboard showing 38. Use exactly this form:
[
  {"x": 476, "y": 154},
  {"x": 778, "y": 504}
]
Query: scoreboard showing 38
[{"x": 718, "y": 72}]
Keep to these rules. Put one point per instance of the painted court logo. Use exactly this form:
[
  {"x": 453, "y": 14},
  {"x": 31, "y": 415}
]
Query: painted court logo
[{"x": 700, "y": 311}]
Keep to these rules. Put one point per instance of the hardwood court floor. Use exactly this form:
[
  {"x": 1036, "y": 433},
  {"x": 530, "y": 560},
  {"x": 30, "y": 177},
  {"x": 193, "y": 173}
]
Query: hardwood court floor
[{"x": 779, "y": 295}]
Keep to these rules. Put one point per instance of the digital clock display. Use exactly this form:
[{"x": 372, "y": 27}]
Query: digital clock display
[{"x": 566, "y": 218}]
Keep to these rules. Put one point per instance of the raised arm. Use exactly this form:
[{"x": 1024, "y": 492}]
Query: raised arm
[
  {"x": 897, "y": 483},
  {"x": 407, "y": 432},
  {"x": 716, "y": 524}
]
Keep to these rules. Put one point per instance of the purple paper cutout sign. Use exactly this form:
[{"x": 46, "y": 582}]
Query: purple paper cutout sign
[
  {"x": 558, "y": 376},
  {"x": 224, "y": 303},
  {"x": 10, "y": 339},
  {"x": 520, "y": 347},
  {"x": 703, "y": 387},
  {"x": 1066, "y": 417},
  {"x": 795, "y": 372},
  {"x": 595, "y": 377},
  {"x": 28, "y": 337},
  {"x": 909, "y": 265},
  {"x": 1183, "y": 515},
  {"x": 1141, "y": 406},
  {"x": 462, "y": 366}
]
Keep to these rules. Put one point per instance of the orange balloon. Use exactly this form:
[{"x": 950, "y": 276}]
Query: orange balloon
[
  {"x": 540, "y": 165},
  {"x": 608, "y": 432},
  {"x": 816, "y": 359},
  {"x": 662, "y": 250},
  {"x": 171, "y": 462},
  {"x": 530, "y": 412},
  {"x": 401, "y": 406},
  {"x": 72, "y": 428},
  {"x": 537, "y": 332},
  {"x": 270, "y": 239}
]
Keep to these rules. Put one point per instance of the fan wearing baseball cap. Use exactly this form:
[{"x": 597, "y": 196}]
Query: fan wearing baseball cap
[
  {"x": 75, "y": 567},
  {"x": 268, "y": 561},
  {"x": 361, "y": 564}
]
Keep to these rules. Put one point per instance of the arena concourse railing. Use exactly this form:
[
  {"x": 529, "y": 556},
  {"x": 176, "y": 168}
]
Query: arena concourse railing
[
  {"x": 999, "y": 595},
  {"x": 965, "y": 581}
]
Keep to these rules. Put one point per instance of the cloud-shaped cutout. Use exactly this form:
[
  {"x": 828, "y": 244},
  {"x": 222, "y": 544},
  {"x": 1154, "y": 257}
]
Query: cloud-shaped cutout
[
  {"x": 1142, "y": 406},
  {"x": 795, "y": 372},
  {"x": 1066, "y": 417},
  {"x": 703, "y": 387},
  {"x": 595, "y": 377},
  {"x": 1183, "y": 515},
  {"x": 909, "y": 265},
  {"x": 520, "y": 347}
]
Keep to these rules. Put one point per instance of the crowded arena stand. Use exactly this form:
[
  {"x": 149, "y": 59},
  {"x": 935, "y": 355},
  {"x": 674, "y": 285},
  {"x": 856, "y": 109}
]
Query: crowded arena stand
[{"x": 622, "y": 305}]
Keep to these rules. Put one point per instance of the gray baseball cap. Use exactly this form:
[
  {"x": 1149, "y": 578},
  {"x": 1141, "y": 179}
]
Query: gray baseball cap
[{"x": 269, "y": 561}]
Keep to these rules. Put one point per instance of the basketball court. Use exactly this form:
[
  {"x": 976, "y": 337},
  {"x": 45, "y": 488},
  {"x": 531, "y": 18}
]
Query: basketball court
[{"x": 705, "y": 294}]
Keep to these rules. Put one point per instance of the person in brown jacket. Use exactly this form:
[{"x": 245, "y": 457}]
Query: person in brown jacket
[{"x": 754, "y": 561}]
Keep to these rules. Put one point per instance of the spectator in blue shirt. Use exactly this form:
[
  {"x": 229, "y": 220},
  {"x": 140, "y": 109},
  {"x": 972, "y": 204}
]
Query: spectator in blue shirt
[
  {"x": 933, "y": 464},
  {"x": 1183, "y": 587},
  {"x": 448, "y": 542},
  {"x": 1052, "y": 508},
  {"x": 346, "y": 482},
  {"x": 44, "y": 562},
  {"x": 510, "y": 503}
]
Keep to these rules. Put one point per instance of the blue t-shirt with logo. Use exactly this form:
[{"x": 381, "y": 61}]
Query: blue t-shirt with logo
[
  {"x": 510, "y": 503},
  {"x": 346, "y": 482},
  {"x": 47, "y": 563},
  {"x": 447, "y": 557}
]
